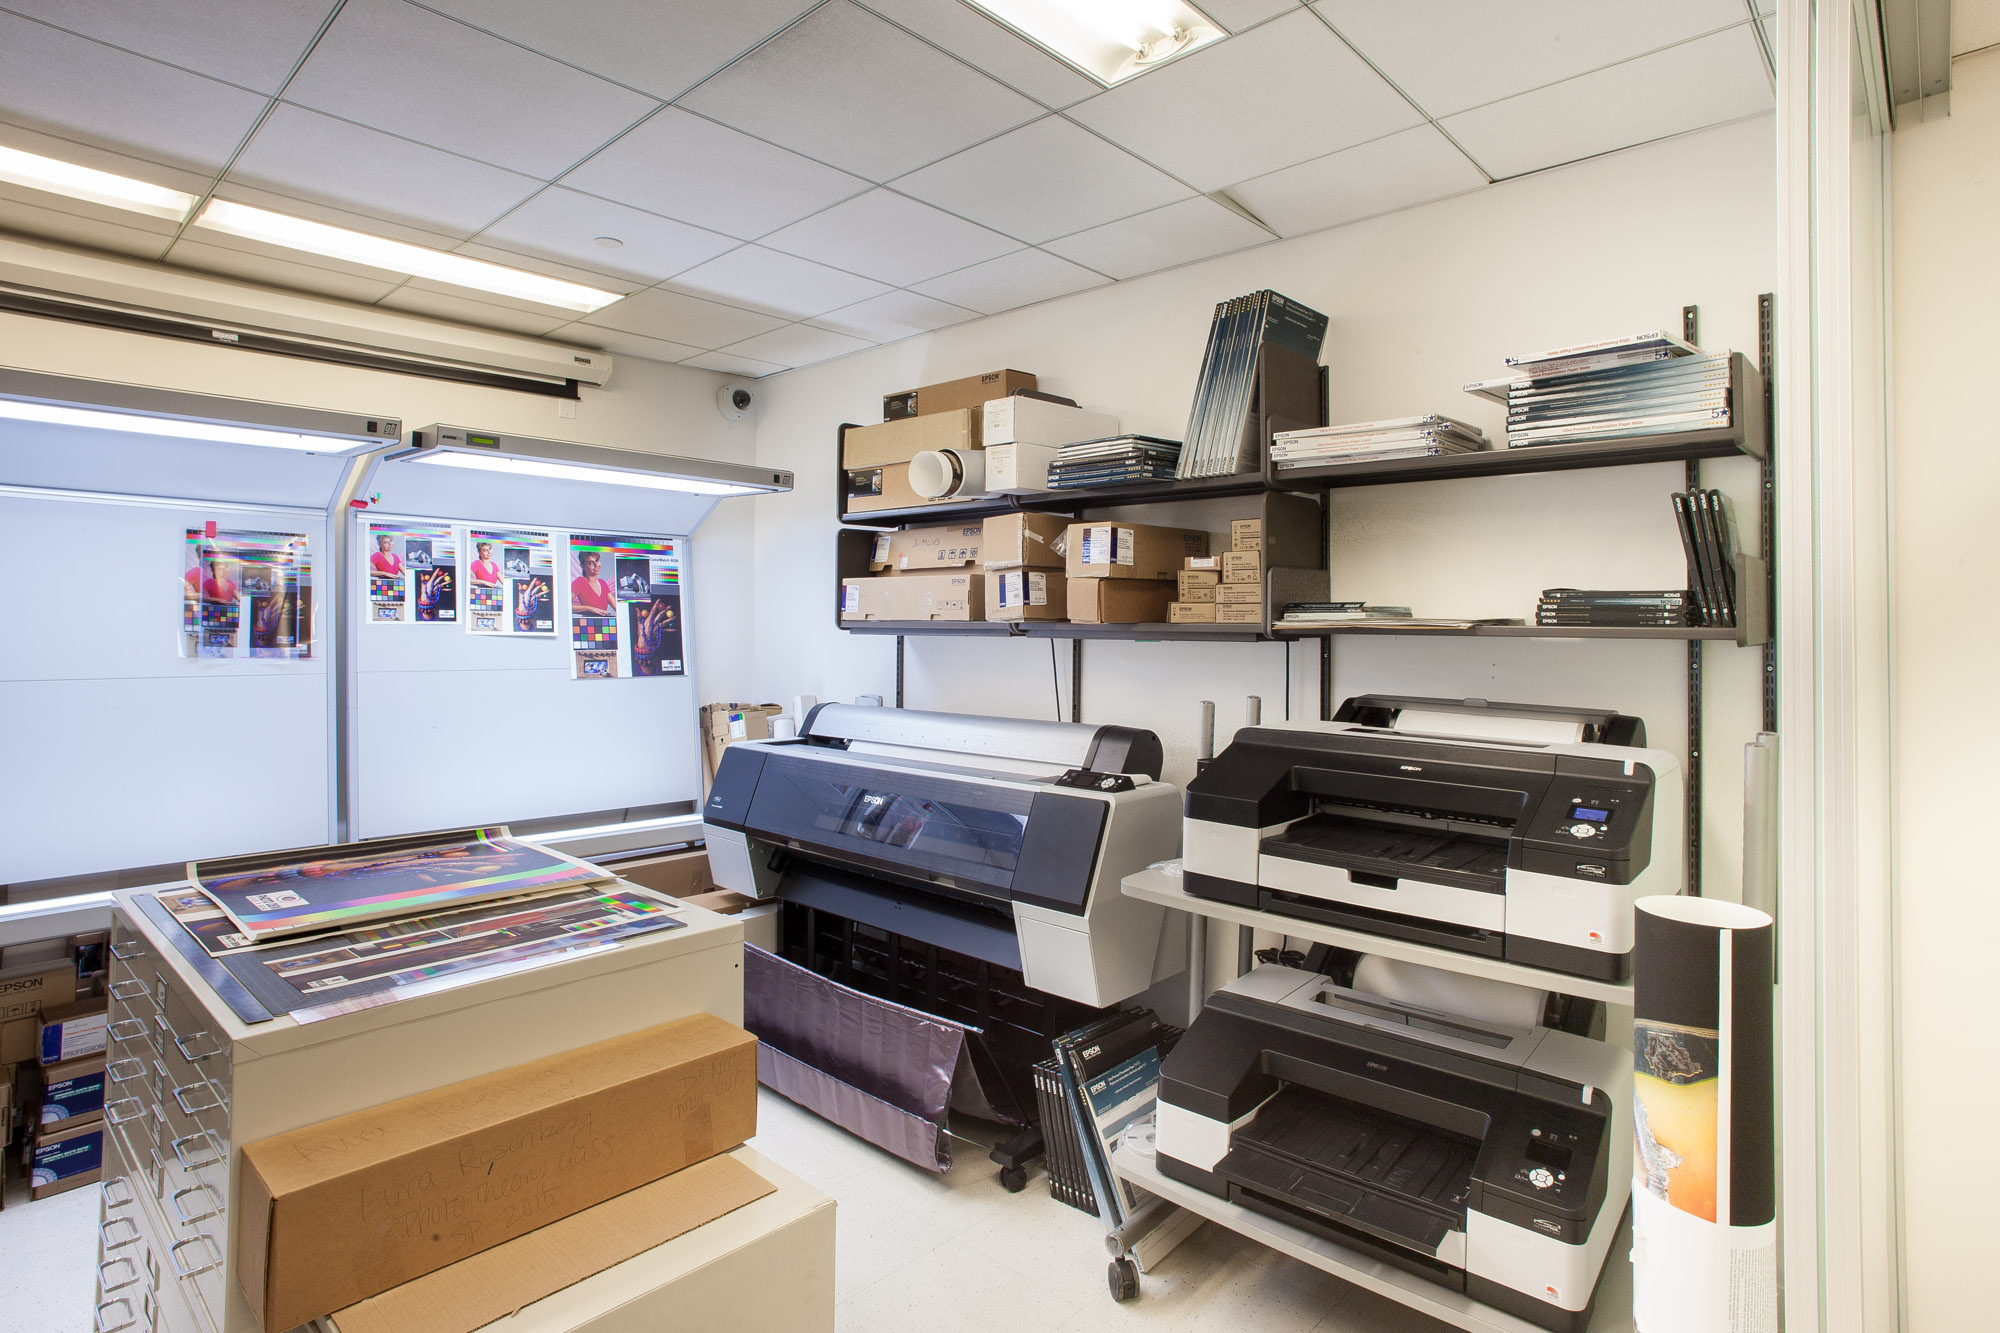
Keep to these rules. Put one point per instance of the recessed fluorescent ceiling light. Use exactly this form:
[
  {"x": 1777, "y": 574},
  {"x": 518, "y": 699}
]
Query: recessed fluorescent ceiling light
[
  {"x": 535, "y": 467},
  {"x": 317, "y": 238},
  {"x": 1110, "y": 40},
  {"x": 15, "y": 409},
  {"x": 97, "y": 187}
]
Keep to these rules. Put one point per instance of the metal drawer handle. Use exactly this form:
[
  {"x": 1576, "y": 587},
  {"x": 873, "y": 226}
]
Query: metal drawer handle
[
  {"x": 128, "y": 988},
  {"x": 104, "y": 1281},
  {"x": 126, "y": 950},
  {"x": 97, "y": 1323},
  {"x": 104, "y": 1233},
  {"x": 214, "y": 1095},
  {"x": 124, "y": 1071},
  {"x": 189, "y": 1219},
  {"x": 113, "y": 1188},
  {"x": 214, "y": 1250},
  {"x": 117, "y": 1116},
  {"x": 126, "y": 1029},
  {"x": 181, "y": 1045},
  {"x": 206, "y": 1137}
]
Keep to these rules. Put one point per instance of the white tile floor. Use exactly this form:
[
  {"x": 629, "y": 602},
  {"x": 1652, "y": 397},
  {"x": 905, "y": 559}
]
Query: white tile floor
[{"x": 914, "y": 1252}]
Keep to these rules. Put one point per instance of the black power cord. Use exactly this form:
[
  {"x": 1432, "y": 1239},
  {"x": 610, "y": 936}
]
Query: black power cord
[{"x": 1055, "y": 679}]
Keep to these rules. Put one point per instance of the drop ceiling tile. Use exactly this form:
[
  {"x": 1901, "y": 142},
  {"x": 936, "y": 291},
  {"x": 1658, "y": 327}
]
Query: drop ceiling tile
[
  {"x": 427, "y": 299},
  {"x": 1046, "y": 179},
  {"x": 311, "y": 156},
  {"x": 778, "y": 284},
  {"x": 1177, "y": 234},
  {"x": 798, "y": 345},
  {"x": 990, "y": 46},
  {"x": 731, "y": 364},
  {"x": 1019, "y": 279},
  {"x": 395, "y": 230},
  {"x": 625, "y": 344},
  {"x": 424, "y": 77},
  {"x": 254, "y": 43},
  {"x": 850, "y": 90},
  {"x": 1236, "y": 15},
  {"x": 347, "y": 283},
  {"x": 658, "y": 313},
  {"x": 1279, "y": 94},
  {"x": 83, "y": 90},
  {"x": 1379, "y": 177},
  {"x": 1704, "y": 82},
  {"x": 1503, "y": 47},
  {"x": 564, "y": 224},
  {"x": 885, "y": 236},
  {"x": 539, "y": 264},
  {"x": 661, "y": 47},
  {"x": 681, "y": 166},
  {"x": 893, "y": 315},
  {"x": 47, "y": 217}
]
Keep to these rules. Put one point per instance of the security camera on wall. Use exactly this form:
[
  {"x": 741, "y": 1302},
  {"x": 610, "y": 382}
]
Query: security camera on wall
[{"x": 733, "y": 401}]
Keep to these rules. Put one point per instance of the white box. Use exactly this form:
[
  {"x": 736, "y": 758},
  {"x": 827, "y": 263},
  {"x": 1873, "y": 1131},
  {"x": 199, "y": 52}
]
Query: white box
[
  {"x": 1018, "y": 469},
  {"x": 1018, "y": 420}
]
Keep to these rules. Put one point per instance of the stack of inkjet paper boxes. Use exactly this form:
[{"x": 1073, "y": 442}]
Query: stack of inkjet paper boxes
[{"x": 1225, "y": 589}]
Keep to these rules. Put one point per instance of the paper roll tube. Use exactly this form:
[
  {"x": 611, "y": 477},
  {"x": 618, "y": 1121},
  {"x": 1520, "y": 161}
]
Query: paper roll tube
[
  {"x": 1704, "y": 1187},
  {"x": 943, "y": 473}
]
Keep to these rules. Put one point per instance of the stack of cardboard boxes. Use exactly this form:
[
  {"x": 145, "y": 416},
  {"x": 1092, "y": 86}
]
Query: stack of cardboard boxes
[
  {"x": 1226, "y": 589},
  {"x": 52, "y": 1077},
  {"x": 920, "y": 574},
  {"x": 1124, "y": 573},
  {"x": 949, "y": 416},
  {"x": 1023, "y": 555}
]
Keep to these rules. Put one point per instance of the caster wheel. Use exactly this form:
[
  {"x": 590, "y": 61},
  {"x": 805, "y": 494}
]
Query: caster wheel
[
  {"x": 1123, "y": 1275},
  {"x": 1014, "y": 1178}
]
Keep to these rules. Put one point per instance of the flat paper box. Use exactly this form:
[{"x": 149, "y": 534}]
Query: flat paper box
[
  {"x": 1204, "y": 562},
  {"x": 973, "y": 392},
  {"x": 1023, "y": 540},
  {"x": 1019, "y": 469},
  {"x": 1120, "y": 601},
  {"x": 66, "y": 1159},
  {"x": 1242, "y": 567},
  {"x": 1129, "y": 550},
  {"x": 493, "y": 1284},
  {"x": 1026, "y": 594},
  {"x": 1016, "y": 420},
  {"x": 685, "y": 876},
  {"x": 948, "y": 546},
  {"x": 1191, "y": 613},
  {"x": 73, "y": 1031},
  {"x": 1246, "y": 534},
  {"x": 334, "y": 1213},
  {"x": 900, "y": 441},
  {"x": 1244, "y": 613},
  {"x": 896, "y": 406},
  {"x": 72, "y": 1093},
  {"x": 727, "y": 902},
  {"x": 955, "y": 596},
  {"x": 1196, "y": 585},
  {"x": 24, "y": 992},
  {"x": 887, "y": 487},
  {"x": 1239, "y": 594}
]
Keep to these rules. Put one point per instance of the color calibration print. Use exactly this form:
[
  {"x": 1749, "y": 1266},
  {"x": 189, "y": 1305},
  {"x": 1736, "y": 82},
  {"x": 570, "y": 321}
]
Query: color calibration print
[
  {"x": 625, "y": 606},
  {"x": 246, "y": 595},
  {"x": 412, "y": 570},
  {"x": 510, "y": 582},
  {"x": 1676, "y": 1114}
]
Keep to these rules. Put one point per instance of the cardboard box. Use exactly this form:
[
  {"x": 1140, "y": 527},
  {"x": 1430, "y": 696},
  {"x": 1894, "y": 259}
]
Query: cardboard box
[
  {"x": 336, "y": 1212},
  {"x": 66, "y": 1159},
  {"x": 1017, "y": 420},
  {"x": 724, "y": 723},
  {"x": 956, "y": 596},
  {"x": 73, "y": 1031},
  {"x": 1191, "y": 613},
  {"x": 72, "y": 1093},
  {"x": 973, "y": 392},
  {"x": 1241, "y": 613},
  {"x": 1242, "y": 567},
  {"x": 683, "y": 875},
  {"x": 1120, "y": 601},
  {"x": 1026, "y": 594},
  {"x": 1023, "y": 541},
  {"x": 900, "y": 441},
  {"x": 896, "y": 406},
  {"x": 949, "y": 546},
  {"x": 1239, "y": 594},
  {"x": 887, "y": 487},
  {"x": 1246, "y": 534},
  {"x": 489, "y": 1286},
  {"x": 1019, "y": 469},
  {"x": 726, "y": 901},
  {"x": 1207, "y": 562},
  {"x": 1129, "y": 550},
  {"x": 1196, "y": 585},
  {"x": 24, "y": 993}
]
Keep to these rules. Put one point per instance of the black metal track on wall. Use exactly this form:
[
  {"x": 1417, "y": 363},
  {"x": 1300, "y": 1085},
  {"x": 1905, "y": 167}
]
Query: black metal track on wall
[
  {"x": 1690, "y": 326},
  {"x": 1767, "y": 365}
]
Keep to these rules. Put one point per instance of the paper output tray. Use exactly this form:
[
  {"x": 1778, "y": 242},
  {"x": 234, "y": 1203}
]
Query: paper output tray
[{"x": 1372, "y": 853}]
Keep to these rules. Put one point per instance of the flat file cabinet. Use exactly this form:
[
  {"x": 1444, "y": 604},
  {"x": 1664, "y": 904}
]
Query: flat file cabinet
[{"x": 188, "y": 1082}]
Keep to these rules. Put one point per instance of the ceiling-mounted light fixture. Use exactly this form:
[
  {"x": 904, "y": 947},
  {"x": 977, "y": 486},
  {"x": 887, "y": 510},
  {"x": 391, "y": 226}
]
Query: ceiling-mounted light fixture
[
  {"x": 257, "y": 224},
  {"x": 93, "y": 186},
  {"x": 1110, "y": 40},
  {"x": 60, "y": 400},
  {"x": 558, "y": 460}
]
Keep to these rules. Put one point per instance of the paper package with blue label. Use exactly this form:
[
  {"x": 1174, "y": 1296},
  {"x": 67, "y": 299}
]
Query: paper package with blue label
[
  {"x": 66, "y": 1159},
  {"x": 73, "y": 1031},
  {"x": 72, "y": 1093}
]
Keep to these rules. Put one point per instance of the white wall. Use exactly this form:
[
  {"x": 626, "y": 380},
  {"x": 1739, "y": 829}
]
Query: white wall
[
  {"x": 1420, "y": 302},
  {"x": 1945, "y": 197}
]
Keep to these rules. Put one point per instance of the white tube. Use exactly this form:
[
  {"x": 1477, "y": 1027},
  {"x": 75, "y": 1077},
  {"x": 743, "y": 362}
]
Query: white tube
[{"x": 946, "y": 473}]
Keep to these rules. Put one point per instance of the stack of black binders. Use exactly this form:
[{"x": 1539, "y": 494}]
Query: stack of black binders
[
  {"x": 1575, "y": 608},
  {"x": 1708, "y": 535},
  {"x": 1259, "y": 375},
  {"x": 1113, "y": 461}
]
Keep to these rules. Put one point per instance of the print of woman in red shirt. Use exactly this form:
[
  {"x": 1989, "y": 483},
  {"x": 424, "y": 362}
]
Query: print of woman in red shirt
[
  {"x": 590, "y": 595},
  {"x": 385, "y": 560},
  {"x": 486, "y": 569},
  {"x": 213, "y": 577}
]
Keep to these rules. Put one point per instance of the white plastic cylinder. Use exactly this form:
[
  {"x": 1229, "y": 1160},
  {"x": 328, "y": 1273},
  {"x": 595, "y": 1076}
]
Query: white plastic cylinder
[{"x": 940, "y": 474}]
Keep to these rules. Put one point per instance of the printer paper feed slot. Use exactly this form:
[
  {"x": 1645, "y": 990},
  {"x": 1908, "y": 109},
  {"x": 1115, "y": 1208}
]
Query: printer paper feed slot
[{"x": 1380, "y": 854}]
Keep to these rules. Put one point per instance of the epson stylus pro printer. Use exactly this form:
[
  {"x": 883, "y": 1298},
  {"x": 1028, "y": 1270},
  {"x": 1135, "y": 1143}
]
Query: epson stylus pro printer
[
  {"x": 1508, "y": 830},
  {"x": 1449, "y": 1134}
]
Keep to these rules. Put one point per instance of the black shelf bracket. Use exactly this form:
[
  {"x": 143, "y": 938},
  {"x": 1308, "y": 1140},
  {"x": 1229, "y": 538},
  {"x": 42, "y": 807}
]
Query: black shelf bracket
[{"x": 1690, "y": 328}]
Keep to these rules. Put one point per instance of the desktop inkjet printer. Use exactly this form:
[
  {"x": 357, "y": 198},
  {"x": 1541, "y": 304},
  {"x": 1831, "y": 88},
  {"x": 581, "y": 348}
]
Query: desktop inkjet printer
[
  {"x": 1508, "y": 830},
  {"x": 1416, "y": 1117}
]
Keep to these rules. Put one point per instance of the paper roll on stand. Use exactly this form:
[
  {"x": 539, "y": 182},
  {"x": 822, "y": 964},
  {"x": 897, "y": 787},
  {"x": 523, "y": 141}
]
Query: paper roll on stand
[{"x": 1704, "y": 1188}]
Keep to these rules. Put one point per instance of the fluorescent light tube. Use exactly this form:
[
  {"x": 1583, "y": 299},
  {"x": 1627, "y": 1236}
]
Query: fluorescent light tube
[
  {"x": 15, "y": 409},
  {"x": 536, "y": 467},
  {"x": 92, "y": 186},
  {"x": 356, "y": 247},
  {"x": 1110, "y": 40}
]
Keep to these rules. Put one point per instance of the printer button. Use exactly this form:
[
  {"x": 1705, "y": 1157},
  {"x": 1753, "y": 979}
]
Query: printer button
[
  {"x": 1541, "y": 1177},
  {"x": 1583, "y": 830}
]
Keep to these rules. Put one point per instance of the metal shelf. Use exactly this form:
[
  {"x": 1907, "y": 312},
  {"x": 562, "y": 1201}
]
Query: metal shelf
[
  {"x": 1189, "y": 633},
  {"x": 963, "y": 628}
]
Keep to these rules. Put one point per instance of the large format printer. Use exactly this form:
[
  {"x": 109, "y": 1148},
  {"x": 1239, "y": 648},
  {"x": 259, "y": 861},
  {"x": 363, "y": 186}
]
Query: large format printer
[
  {"x": 1420, "y": 1118},
  {"x": 1512, "y": 831}
]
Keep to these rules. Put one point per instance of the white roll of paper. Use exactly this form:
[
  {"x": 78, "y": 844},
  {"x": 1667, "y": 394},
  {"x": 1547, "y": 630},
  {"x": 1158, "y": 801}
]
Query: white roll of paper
[{"x": 941, "y": 474}]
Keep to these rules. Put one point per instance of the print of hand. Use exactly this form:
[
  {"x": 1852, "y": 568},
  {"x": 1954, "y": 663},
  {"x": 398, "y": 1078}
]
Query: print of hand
[
  {"x": 650, "y": 626},
  {"x": 533, "y": 595},
  {"x": 432, "y": 586},
  {"x": 271, "y": 614}
]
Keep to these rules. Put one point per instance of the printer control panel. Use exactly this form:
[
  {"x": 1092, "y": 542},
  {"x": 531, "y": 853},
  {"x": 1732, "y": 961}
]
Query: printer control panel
[
  {"x": 1591, "y": 825},
  {"x": 1545, "y": 1159}
]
